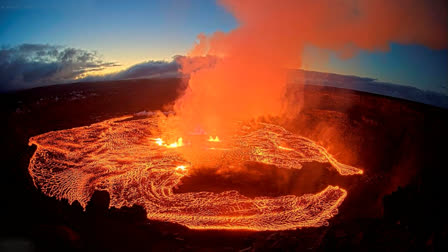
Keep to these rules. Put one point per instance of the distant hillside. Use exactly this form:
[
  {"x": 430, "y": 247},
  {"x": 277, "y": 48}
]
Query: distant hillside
[
  {"x": 371, "y": 86},
  {"x": 356, "y": 83}
]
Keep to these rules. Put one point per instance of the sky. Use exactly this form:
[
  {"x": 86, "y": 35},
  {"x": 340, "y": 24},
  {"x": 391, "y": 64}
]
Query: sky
[{"x": 125, "y": 33}]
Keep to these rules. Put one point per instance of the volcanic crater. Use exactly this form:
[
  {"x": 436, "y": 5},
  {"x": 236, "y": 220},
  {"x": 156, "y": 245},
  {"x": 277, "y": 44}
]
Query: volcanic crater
[{"x": 264, "y": 176}]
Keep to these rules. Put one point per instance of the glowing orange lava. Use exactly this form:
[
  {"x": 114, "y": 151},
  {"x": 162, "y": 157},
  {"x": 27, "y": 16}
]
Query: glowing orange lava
[
  {"x": 176, "y": 144},
  {"x": 125, "y": 157},
  {"x": 211, "y": 139}
]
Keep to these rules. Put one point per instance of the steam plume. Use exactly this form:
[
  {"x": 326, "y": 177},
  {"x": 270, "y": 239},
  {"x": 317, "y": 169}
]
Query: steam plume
[{"x": 249, "y": 79}]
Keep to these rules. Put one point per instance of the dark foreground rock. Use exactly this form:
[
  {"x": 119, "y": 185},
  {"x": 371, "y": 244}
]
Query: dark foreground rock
[{"x": 397, "y": 205}]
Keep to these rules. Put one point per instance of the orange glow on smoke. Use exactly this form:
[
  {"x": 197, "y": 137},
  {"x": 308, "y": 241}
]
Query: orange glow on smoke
[
  {"x": 243, "y": 73},
  {"x": 115, "y": 156}
]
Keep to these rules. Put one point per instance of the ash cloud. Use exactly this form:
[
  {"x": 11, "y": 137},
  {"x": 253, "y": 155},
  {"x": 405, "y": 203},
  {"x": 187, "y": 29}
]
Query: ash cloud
[{"x": 31, "y": 65}]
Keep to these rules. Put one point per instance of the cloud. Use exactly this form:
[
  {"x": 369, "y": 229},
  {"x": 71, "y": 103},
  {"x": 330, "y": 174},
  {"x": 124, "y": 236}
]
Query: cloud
[
  {"x": 160, "y": 69},
  {"x": 31, "y": 65},
  {"x": 148, "y": 69}
]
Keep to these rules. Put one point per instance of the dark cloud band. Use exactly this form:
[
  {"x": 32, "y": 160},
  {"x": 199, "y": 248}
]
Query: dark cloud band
[{"x": 31, "y": 65}]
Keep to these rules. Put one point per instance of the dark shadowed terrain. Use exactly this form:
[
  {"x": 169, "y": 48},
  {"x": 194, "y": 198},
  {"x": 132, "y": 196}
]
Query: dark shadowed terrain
[{"x": 397, "y": 205}]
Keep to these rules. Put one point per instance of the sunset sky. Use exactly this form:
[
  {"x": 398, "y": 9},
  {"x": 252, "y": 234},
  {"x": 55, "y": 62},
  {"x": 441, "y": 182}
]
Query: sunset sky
[{"x": 130, "y": 33}]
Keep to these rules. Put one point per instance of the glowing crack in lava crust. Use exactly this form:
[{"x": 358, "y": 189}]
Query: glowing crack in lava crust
[{"x": 127, "y": 157}]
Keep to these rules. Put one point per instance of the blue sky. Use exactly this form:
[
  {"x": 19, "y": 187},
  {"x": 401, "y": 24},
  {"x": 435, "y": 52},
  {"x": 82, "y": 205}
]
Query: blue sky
[
  {"x": 412, "y": 65},
  {"x": 130, "y": 32}
]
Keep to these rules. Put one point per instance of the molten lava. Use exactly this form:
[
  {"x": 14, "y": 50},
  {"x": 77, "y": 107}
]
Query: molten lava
[
  {"x": 127, "y": 157},
  {"x": 211, "y": 139},
  {"x": 176, "y": 144}
]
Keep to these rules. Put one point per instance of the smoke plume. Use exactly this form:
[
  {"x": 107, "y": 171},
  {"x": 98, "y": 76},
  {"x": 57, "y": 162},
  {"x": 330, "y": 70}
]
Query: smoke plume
[{"x": 248, "y": 79}]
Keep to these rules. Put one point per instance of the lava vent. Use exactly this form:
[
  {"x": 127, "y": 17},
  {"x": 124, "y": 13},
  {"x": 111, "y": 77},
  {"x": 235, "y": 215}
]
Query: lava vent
[{"x": 127, "y": 157}]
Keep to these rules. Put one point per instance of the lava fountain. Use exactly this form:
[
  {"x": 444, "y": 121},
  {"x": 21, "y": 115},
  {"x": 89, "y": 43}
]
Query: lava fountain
[{"x": 126, "y": 157}]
